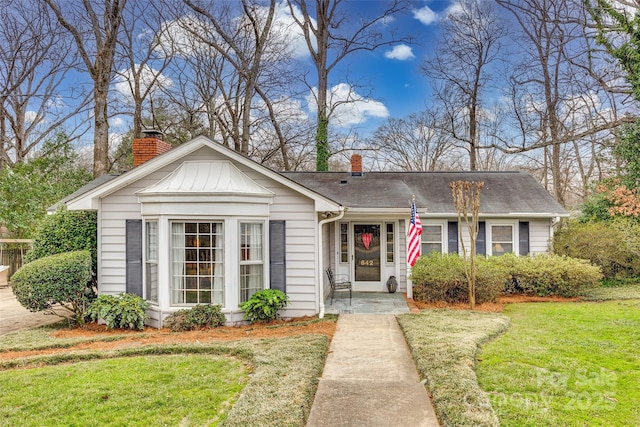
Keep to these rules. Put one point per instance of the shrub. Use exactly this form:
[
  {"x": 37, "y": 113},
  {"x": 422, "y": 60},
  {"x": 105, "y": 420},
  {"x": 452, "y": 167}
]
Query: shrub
[
  {"x": 614, "y": 245},
  {"x": 263, "y": 306},
  {"x": 124, "y": 311},
  {"x": 199, "y": 316},
  {"x": 545, "y": 275},
  {"x": 56, "y": 279},
  {"x": 66, "y": 231},
  {"x": 440, "y": 277}
]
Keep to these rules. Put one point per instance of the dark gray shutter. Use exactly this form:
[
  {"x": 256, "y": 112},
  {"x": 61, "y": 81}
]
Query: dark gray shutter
[
  {"x": 481, "y": 242},
  {"x": 524, "y": 237},
  {"x": 134, "y": 256},
  {"x": 453, "y": 237},
  {"x": 277, "y": 255}
]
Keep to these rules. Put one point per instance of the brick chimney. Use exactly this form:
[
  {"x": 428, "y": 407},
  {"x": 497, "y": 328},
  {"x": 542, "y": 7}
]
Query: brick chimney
[
  {"x": 356, "y": 165},
  {"x": 148, "y": 147}
]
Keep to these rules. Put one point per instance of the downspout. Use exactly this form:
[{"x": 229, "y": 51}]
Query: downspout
[{"x": 319, "y": 262}]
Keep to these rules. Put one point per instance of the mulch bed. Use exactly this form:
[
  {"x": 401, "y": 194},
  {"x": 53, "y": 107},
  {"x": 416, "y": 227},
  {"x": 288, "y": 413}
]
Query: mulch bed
[
  {"x": 149, "y": 336},
  {"x": 495, "y": 307}
]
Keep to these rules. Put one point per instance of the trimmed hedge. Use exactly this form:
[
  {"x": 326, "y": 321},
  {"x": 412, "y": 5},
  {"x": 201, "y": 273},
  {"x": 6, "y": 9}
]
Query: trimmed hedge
[
  {"x": 66, "y": 231},
  {"x": 56, "y": 279},
  {"x": 124, "y": 311},
  {"x": 440, "y": 277},
  {"x": 545, "y": 275},
  {"x": 199, "y": 316}
]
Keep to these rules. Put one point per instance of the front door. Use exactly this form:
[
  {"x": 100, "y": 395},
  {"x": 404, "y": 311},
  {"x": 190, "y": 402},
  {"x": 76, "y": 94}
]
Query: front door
[{"x": 366, "y": 243}]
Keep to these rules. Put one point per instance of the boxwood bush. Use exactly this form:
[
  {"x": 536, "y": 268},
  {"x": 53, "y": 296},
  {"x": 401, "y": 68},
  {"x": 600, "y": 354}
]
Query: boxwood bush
[
  {"x": 66, "y": 231},
  {"x": 440, "y": 277},
  {"x": 545, "y": 275},
  {"x": 56, "y": 279},
  {"x": 199, "y": 316},
  {"x": 123, "y": 311}
]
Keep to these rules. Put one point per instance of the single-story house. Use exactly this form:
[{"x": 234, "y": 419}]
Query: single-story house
[{"x": 201, "y": 223}]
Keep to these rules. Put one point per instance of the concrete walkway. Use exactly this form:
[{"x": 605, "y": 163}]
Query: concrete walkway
[
  {"x": 14, "y": 317},
  {"x": 369, "y": 378}
]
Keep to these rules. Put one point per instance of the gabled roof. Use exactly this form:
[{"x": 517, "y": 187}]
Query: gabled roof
[
  {"x": 504, "y": 193},
  {"x": 89, "y": 199}
]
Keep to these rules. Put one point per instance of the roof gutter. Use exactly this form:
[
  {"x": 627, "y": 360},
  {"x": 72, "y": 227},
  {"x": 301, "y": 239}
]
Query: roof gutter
[{"x": 320, "y": 274}]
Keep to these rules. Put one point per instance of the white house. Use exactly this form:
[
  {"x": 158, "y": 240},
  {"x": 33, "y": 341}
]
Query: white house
[{"x": 201, "y": 223}]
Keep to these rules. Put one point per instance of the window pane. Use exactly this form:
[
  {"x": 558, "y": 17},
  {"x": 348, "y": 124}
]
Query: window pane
[
  {"x": 502, "y": 233},
  {"x": 250, "y": 242},
  {"x": 250, "y": 280},
  {"x": 197, "y": 268},
  {"x": 431, "y": 247},
  {"x": 344, "y": 242},
  {"x": 390, "y": 239},
  {"x": 251, "y": 256},
  {"x": 151, "y": 261},
  {"x": 498, "y": 249},
  {"x": 432, "y": 233}
]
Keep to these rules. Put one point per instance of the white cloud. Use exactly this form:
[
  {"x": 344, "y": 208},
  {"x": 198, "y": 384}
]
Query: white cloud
[
  {"x": 30, "y": 116},
  {"x": 148, "y": 77},
  {"x": 401, "y": 52},
  {"x": 116, "y": 122},
  {"x": 425, "y": 15},
  {"x": 348, "y": 108},
  {"x": 288, "y": 30}
]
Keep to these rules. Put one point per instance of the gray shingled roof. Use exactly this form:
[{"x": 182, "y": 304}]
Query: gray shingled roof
[
  {"x": 503, "y": 192},
  {"x": 84, "y": 189}
]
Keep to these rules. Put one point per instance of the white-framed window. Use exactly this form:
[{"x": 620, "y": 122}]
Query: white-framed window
[
  {"x": 151, "y": 261},
  {"x": 251, "y": 259},
  {"x": 433, "y": 237},
  {"x": 197, "y": 263},
  {"x": 344, "y": 242},
  {"x": 501, "y": 238},
  {"x": 390, "y": 239}
]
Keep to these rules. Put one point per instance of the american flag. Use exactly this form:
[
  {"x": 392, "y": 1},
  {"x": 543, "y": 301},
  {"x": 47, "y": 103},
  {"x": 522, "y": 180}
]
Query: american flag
[{"x": 415, "y": 230}]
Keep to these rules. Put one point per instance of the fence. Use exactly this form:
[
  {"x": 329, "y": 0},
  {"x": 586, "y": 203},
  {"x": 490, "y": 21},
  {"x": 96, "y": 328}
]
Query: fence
[{"x": 13, "y": 252}]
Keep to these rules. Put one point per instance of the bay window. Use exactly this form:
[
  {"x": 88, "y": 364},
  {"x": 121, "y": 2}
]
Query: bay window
[
  {"x": 251, "y": 259},
  {"x": 151, "y": 261},
  {"x": 197, "y": 263}
]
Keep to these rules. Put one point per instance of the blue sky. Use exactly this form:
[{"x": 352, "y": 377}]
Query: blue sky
[{"x": 391, "y": 75}]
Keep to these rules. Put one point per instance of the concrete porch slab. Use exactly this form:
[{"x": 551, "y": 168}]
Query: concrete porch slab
[{"x": 367, "y": 303}]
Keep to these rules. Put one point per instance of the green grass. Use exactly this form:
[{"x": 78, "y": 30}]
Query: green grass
[
  {"x": 444, "y": 344},
  {"x": 610, "y": 293},
  {"x": 145, "y": 390},
  {"x": 282, "y": 382},
  {"x": 566, "y": 364}
]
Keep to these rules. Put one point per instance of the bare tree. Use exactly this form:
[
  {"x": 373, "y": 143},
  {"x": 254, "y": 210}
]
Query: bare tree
[
  {"x": 145, "y": 56},
  {"x": 95, "y": 28},
  {"x": 414, "y": 143},
  {"x": 555, "y": 101},
  {"x": 466, "y": 201},
  {"x": 331, "y": 37},
  {"x": 34, "y": 63},
  {"x": 471, "y": 41}
]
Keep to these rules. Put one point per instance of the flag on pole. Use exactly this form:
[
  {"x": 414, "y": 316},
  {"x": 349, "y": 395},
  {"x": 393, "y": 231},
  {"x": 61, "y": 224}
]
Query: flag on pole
[{"x": 415, "y": 231}]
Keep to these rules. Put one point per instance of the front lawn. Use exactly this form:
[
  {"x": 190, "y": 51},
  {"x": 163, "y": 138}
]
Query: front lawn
[
  {"x": 565, "y": 364},
  {"x": 239, "y": 382},
  {"x": 144, "y": 390},
  {"x": 444, "y": 344}
]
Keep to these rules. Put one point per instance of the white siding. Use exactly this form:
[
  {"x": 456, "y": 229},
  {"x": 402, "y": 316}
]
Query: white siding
[
  {"x": 402, "y": 256},
  {"x": 539, "y": 235},
  {"x": 297, "y": 210}
]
